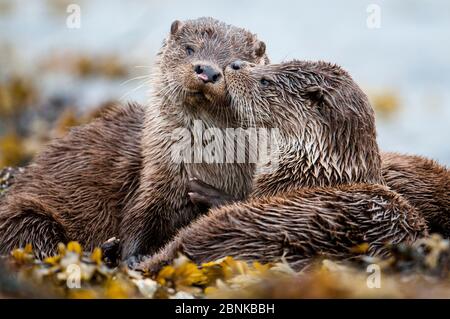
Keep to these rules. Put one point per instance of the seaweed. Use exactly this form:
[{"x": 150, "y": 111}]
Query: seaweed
[{"x": 419, "y": 270}]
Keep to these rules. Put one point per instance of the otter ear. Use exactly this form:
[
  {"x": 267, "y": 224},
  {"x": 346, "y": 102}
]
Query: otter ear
[
  {"x": 319, "y": 95},
  {"x": 260, "y": 49},
  {"x": 175, "y": 27}
]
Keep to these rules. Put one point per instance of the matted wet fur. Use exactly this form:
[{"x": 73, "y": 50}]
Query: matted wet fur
[
  {"x": 424, "y": 183},
  {"x": 115, "y": 177},
  {"x": 299, "y": 225},
  {"x": 76, "y": 188},
  {"x": 326, "y": 195}
]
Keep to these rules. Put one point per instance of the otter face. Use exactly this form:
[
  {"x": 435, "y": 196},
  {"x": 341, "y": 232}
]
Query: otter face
[
  {"x": 194, "y": 57},
  {"x": 326, "y": 122},
  {"x": 294, "y": 95}
]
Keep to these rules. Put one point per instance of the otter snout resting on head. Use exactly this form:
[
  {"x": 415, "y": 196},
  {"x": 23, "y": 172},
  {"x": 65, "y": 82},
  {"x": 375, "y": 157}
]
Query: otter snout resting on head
[
  {"x": 115, "y": 177},
  {"x": 325, "y": 196}
]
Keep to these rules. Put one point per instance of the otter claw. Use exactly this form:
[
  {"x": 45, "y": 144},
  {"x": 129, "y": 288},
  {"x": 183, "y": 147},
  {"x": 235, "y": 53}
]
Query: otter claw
[{"x": 201, "y": 193}]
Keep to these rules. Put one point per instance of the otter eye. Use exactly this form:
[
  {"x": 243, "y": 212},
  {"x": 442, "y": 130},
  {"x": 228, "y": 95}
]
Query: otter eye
[
  {"x": 189, "y": 50},
  {"x": 264, "y": 82}
]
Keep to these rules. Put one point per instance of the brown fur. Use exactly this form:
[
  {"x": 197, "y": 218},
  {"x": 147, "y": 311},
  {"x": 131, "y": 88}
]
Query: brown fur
[
  {"x": 424, "y": 183},
  {"x": 76, "y": 188},
  {"x": 326, "y": 123},
  {"x": 115, "y": 177},
  {"x": 325, "y": 196},
  {"x": 299, "y": 225}
]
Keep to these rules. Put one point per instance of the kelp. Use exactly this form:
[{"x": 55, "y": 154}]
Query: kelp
[{"x": 419, "y": 270}]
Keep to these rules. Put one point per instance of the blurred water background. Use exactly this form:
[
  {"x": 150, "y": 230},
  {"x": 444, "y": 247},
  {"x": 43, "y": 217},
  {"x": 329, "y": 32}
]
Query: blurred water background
[{"x": 52, "y": 77}]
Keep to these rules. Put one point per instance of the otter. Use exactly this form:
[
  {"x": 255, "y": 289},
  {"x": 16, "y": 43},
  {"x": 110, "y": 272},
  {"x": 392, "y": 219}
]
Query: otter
[
  {"x": 325, "y": 196},
  {"x": 424, "y": 183},
  {"x": 115, "y": 176}
]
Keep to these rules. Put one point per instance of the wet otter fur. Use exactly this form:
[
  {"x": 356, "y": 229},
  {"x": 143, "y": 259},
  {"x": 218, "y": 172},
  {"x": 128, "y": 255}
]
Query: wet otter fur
[
  {"x": 76, "y": 188},
  {"x": 326, "y": 195},
  {"x": 299, "y": 226},
  {"x": 115, "y": 177},
  {"x": 424, "y": 183}
]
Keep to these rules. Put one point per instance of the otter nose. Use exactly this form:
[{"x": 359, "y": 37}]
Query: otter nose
[
  {"x": 237, "y": 65},
  {"x": 207, "y": 73}
]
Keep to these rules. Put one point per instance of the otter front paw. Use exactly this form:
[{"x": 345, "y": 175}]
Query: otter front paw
[
  {"x": 111, "y": 252},
  {"x": 203, "y": 194}
]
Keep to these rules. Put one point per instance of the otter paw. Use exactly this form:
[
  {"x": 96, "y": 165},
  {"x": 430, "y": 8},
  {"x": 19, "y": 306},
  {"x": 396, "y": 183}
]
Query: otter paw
[
  {"x": 111, "y": 252},
  {"x": 203, "y": 194}
]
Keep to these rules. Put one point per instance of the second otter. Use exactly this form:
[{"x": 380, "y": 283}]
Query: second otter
[{"x": 325, "y": 196}]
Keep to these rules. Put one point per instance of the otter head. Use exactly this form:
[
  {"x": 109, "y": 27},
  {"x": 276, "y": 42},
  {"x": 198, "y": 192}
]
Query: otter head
[
  {"x": 325, "y": 121},
  {"x": 193, "y": 58}
]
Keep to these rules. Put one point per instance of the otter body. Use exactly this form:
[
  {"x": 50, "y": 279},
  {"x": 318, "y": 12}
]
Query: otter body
[
  {"x": 116, "y": 176},
  {"x": 325, "y": 196},
  {"x": 77, "y": 187},
  {"x": 298, "y": 226},
  {"x": 424, "y": 183}
]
